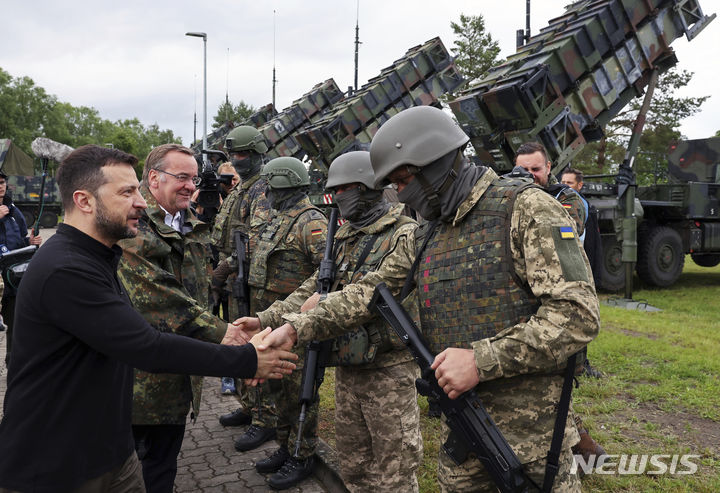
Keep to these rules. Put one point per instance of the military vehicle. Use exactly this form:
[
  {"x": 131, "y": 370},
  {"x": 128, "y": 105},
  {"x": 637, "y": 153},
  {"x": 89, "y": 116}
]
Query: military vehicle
[
  {"x": 562, "y": 87},
  {"x": 25, "y": 189},
  {"x": 25, "y": 192},
  {"x": 325, "y": 122}
]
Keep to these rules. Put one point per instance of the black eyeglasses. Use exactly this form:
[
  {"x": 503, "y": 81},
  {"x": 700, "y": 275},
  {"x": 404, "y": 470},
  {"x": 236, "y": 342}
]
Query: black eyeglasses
[{"x": 182, "y": 178}]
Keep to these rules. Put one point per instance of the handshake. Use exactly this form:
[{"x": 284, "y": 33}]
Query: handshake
[{"x": 274, "y": 358}]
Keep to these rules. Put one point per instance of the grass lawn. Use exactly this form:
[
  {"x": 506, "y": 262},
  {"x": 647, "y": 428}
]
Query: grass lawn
[{"x": 660, "y": 393}]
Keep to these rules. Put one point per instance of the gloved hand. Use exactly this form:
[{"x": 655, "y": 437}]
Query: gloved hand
[{"x": 218, "y": 280}]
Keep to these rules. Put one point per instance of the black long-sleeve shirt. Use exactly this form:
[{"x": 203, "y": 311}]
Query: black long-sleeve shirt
[{"x": 68, "y": 404}]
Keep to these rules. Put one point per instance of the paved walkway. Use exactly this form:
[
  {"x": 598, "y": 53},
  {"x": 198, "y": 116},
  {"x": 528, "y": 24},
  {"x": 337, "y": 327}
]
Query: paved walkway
[{"x": 208, "y": 461}]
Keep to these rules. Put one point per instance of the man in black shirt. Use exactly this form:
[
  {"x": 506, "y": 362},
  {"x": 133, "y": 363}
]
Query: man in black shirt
[{"x": 67, "y": 411}]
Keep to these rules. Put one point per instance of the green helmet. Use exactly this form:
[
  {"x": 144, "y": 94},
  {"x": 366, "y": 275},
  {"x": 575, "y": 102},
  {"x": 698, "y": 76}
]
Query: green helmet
[
  {"x": 245, "y": 138},
  {"x": 416, "y": 136},
  {"x": 351, "y": 167},
  {"x": 285, "y": 172}
]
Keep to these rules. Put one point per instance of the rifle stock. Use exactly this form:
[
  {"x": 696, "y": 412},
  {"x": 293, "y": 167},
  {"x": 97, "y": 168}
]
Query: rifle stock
[{"x": 472, "y": 429}]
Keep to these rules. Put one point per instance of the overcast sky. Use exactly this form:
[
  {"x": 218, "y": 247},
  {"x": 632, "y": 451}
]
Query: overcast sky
[{"x": 132, "y": 58}]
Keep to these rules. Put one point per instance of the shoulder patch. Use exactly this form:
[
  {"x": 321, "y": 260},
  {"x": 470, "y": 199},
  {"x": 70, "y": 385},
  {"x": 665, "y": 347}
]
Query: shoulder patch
[{"x": 566, "y": 232}]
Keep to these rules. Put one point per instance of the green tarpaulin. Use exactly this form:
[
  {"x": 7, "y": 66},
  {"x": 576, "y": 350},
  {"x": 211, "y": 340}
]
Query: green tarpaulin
[{"x": 13, "y": 161}]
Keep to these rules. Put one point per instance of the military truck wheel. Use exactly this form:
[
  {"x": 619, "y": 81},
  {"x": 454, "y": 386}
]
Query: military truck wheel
[
  {"x": 706, "y": 259},
  {"x": 612, "y": 270},
  {"x": 48, "y": 219},
  {"x": 29, "y": 218},
  {"x": 661, "y": 257}
]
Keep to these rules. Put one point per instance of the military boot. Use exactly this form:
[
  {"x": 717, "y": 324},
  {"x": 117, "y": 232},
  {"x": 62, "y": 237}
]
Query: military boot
[
  {"x": 591, "y": 452},
  {"x": 274, "y": 462},
  {"x": 291, "y": 473},
  {"x": 254, "y": 437},
  {"x": 236, "y": 418}
]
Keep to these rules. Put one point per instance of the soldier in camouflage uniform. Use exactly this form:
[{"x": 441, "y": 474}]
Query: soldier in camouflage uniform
[
  {"x": 532, "y": 157},
  {"x": 245, "y": 209},
  {"x": 504, "y": 290},
  {"x": 375, "y": 396},
  {"x": 166, "y": 271},
  {"x": 288, "y": 250}
]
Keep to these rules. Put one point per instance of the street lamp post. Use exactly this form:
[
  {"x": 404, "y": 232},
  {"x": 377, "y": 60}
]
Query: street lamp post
[{"x": 204, "y": 37}]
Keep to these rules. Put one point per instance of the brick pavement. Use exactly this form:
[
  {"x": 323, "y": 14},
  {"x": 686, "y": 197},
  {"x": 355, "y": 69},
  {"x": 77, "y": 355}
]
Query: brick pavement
[{"x": 208, "y": 461}]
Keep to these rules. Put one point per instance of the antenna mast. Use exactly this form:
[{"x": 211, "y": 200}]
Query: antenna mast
[
  {"x": 357, "y": 42},
  {"x": 227, "y": 87},
  {"x": 274, "y": 80}
]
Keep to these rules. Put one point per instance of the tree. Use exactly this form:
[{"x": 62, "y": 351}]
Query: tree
[
  {"x": 662, "y": 125},
  {"x": 29, "y": 112},
  {"x": 228, "y": 113},
  {"x": 475, "y": 50}
]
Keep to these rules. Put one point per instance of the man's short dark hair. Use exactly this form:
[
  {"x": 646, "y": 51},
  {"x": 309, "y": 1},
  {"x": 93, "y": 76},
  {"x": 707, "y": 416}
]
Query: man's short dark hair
[
  {"x": 156, "y": 158},
  {"x": 82, "y": 170},
  {"x": 531, "y": 148},
  {"x": 578, "y": 174}
]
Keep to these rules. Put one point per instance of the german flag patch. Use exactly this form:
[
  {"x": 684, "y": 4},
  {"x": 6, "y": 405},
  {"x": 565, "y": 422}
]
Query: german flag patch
[
  {"x": 566, "y": 232},
  {"x": 316, "y": 232},
  {"x": 567, "y": 206}
]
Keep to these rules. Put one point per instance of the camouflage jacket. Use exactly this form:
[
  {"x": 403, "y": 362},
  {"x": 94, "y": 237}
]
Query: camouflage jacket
[
  {"x": 573, "y": 204},
  {"x": 245, "y": 208},
  {"x": 288, "y": 250},
  {"x": 519, "y": 368},
  {"x": 349, "y": 239},
  {"x": 167, "y": 277}
]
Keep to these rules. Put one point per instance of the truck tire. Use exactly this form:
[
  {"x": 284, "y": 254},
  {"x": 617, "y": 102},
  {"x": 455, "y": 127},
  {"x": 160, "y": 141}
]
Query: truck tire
[
  {"x": 706, "y": 259},
  {"x": 48, "y": 219},
  {"x": 612, "y": 270},
  {"x": 29, "y": 218},
  {"x": 660, "y": 257}
]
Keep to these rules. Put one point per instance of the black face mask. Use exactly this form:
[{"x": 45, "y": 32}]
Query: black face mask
[
  {"x": 283, "y": 198},
  {"x": 248, "y": 167},
  {"x": 361, "y": 206}
]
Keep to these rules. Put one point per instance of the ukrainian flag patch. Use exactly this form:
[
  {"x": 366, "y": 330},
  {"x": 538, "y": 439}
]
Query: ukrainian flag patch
[
  {"x": 316, "y": 232},
  {"x": 566, "y": 232}
]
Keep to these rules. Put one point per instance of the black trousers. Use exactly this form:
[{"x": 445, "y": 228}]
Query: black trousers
[{"x": 157, "y": 447}]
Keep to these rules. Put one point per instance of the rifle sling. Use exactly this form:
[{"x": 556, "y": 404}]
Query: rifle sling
[{"x": 553, "y": 457}]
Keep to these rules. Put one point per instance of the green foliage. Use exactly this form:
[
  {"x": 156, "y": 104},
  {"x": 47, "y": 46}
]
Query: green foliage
[
  {"x": 237, "y": 114},
  {"x": 29, "y": 112},
  {"x": 475, "y": 49},
  {"x": 662, "y": 125}
]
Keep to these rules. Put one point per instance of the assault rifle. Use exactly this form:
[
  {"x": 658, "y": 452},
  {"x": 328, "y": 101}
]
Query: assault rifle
[
  {"x": 240, "y": 288},
  {"x": 472, "y": 430},
  {"x": 317, "y": 352}
]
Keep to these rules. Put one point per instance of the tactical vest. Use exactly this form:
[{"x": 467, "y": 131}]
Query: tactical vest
[
  {"x": 362, "y": 345},
  {"x": 236, "y": 213},
  {"x": 273, "y": 255},
  {"x": 466, "y": 283}
]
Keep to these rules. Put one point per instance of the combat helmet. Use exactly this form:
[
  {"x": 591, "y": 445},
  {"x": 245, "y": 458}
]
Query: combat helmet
[
  {"x": 285, "y": 172},
  {"x": 351, "y": 167},
  {"x": 245, "y": 138},
  {"x": 416, "y": 136}
]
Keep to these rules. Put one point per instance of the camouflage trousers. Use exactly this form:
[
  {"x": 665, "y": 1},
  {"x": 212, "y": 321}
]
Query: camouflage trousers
[
  {"x": 279, "y": 408},
  {"x": 377, "y": 427},
  {"x": 471, "y": 477}
]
